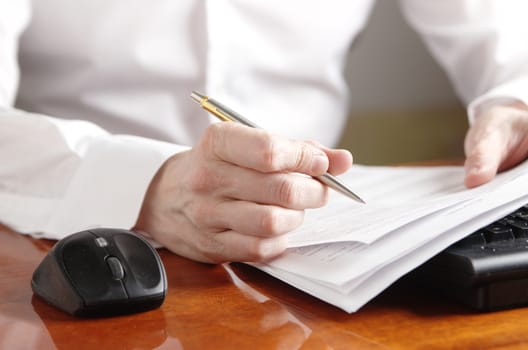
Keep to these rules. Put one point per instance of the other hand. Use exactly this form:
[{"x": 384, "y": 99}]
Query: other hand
[
  {"x": 497, "y": 140},
  {"x": 235, "y": 195}
]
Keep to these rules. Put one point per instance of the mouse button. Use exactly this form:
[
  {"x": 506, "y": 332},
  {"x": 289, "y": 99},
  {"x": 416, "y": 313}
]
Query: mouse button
[
  {"x": 146, "y": 271},
  {"x": 85, "y": 265},
  {"x": 50, "y": 283},
  {"x": 115, "y": 267}
]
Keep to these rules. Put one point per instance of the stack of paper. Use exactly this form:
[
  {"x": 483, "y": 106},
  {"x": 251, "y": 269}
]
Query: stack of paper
[{"x": 346, "y": 253}]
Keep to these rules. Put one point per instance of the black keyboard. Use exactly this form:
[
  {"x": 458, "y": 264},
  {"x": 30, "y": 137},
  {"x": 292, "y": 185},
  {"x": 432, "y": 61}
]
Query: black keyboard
[{"x": 487, "y": 270}]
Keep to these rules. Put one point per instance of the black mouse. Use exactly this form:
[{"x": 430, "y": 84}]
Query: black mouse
[{"x": 101, "y": 272}]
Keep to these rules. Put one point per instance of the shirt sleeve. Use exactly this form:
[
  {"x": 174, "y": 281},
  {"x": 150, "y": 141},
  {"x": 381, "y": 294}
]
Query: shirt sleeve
[
  {"x": 60, "y": 176},
  {"x": 480, "y": 44}
]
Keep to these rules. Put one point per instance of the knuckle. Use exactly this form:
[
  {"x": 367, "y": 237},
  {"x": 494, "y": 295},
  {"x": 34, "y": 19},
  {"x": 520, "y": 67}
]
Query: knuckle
[
  {"x": 202, "y": 180},
  {"x": 270, "y": 222},
  {"x": 201, "y": 214},
  {"x": 208, "y": 178},
  {"x": 302, "y": 157},
  {"x": 212, "y": 137},
  {"x": 314, "y": 143},
  {"x": 268, "y": 146},
  {"x": 260, "y": 250},
  {"x": 478, "y": 154},
  {"x": 287, "y": 192}
]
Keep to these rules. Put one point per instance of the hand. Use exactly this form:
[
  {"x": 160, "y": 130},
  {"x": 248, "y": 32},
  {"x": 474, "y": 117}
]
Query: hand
[
  {"x": 497, "y": 140},
  {"x": 235, "y": 195}
]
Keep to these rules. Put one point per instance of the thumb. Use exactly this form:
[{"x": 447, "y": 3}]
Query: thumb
[
  {"x": 483, "y": 157},
  {"x": 340, "y": 160}
]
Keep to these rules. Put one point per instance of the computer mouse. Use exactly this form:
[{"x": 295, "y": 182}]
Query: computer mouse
[{"x": 101, "y": 272}]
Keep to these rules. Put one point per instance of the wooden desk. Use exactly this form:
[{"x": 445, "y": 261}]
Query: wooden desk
[{"x": 218, "y": 307}]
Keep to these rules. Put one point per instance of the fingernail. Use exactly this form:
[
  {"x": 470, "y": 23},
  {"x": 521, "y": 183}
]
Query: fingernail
[{"x": 319, "y": 163}]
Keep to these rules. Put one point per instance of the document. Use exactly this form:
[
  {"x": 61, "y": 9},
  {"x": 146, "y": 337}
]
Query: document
[{"x": 346, "y": 253}]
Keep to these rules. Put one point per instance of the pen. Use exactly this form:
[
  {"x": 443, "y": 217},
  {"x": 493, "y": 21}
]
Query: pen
[{"x": 225, "y": 114}]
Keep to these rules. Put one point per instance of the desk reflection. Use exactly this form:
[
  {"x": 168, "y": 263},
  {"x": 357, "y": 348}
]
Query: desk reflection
[
  {"x": 146, "y": 330},
  {"x": 238, "y": 307},
  {"x": 206, "y": 307}
]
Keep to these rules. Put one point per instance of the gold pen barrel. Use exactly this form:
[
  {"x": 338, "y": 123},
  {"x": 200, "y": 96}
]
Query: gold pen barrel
[
  {"x": 221, "y": 111},
  {"x": 210, "y": 107}
]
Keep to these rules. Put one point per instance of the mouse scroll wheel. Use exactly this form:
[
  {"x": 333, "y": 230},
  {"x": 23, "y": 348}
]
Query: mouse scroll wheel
[{"x": 115, "y": 267}]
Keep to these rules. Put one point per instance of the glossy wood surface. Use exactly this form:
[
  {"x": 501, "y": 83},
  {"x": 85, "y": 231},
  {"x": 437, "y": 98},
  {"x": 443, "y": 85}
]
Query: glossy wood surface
[{"x": 238, "y": 307}]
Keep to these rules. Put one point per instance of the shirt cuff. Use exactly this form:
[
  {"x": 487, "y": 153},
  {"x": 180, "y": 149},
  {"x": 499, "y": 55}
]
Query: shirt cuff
[
  {"x": 108, "y": 188},
  {"x": 512, "y": 91}
]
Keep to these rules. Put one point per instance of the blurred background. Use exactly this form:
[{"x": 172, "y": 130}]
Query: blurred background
[{"x": 403, "y": 108}]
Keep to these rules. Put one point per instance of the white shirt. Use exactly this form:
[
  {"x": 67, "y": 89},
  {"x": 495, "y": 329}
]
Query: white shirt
[{"x": 99, "y": 95}]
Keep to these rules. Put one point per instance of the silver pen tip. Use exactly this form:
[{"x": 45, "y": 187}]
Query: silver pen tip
[
  {"x": 352, "y": 195},
  {"x": 198, "y": 97}
]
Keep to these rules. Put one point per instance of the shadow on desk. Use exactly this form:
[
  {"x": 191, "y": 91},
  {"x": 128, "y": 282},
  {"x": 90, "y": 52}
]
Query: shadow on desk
[{"x": 402, "y": 294}]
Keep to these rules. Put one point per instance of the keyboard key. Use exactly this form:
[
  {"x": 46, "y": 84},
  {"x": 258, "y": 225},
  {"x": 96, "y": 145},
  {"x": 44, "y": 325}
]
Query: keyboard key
[
  {"x": 519, "y": 226},
  {"x": 498, "y": 232},
  {"x": 487, "y": 275},
  {"x": 521, "y": 213}
]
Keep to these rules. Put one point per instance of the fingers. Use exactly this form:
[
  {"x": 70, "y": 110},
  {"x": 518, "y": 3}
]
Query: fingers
[
  {"x": 496, "y": 141},
  {"x": 232, "y": 246},
  {"x": 244, "y": 217},
  {"x": 340, "y": 159},
  {"x": 247, "y": 248},
  {"x": 479, "y": 171},
  {"x": 261, "y": 151},
  {"x": 219, "y": 247},
  {"x": 288, "y": 190},
  {"x": 483, "y": 159}
]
